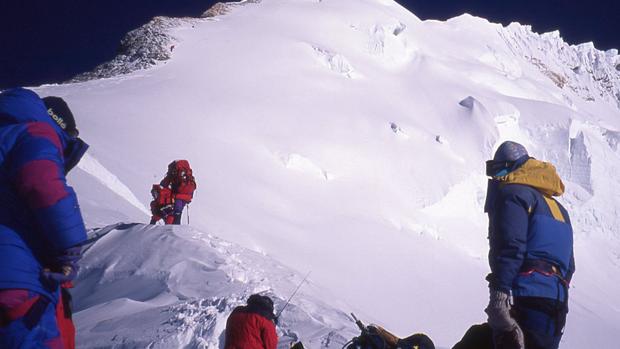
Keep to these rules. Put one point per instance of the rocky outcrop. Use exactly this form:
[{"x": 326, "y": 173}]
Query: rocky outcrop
[
  {"x": 222, "y": 8},
  {"x": 219, "y": 9},
  {"x": 139, "y": 49},
  {"x": 150, "y": 44}
]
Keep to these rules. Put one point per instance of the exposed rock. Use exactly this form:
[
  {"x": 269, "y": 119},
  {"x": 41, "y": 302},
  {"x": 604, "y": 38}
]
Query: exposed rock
[
  {"x": 558, "y": 79},
  {"x": 139, "y": 49},
  {"x": 150, "y": 44},
  {"x": 222, "y": 8},
  {"x": 219, "y": 9}
]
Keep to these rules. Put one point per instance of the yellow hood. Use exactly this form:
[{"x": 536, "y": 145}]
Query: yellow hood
[{"x": 538, "y": 174}]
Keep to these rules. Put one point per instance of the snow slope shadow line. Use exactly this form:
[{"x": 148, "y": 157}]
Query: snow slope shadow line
[
  {"x": 97, "y": 233},
  {"x": 94, "y": 168}
]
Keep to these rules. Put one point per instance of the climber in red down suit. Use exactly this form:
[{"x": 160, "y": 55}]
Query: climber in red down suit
[
  {"x": 252, "y": 326},
  {"x": 180, "y": 181},
  {"x": 162, "y": 206}
]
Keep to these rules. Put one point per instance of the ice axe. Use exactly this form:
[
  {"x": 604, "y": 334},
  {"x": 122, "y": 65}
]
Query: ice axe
[{"x": 292, "y": 295}]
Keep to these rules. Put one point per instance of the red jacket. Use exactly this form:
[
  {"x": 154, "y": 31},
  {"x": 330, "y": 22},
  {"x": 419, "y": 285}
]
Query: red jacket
[
  {"x": 249, "y": 330},
  {"x": 181, "y": 190},
  {"x": 163, "y": 201}
]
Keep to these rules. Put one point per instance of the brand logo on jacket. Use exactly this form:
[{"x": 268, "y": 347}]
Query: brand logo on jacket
[{"x": 57, "y": 118}]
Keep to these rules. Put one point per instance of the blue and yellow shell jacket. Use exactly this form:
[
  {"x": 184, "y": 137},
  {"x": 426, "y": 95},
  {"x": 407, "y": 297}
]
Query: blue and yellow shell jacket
[
  {"x": 39, "y": 213},
  {"x": 527, "y": 225}
]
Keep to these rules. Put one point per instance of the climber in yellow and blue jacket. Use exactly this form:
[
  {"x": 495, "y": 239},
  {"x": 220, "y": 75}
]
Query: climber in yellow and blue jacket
[{"x": 531, "y": 251}]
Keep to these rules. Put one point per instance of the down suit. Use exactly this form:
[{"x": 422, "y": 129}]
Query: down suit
[
  {"x": 531, "y": 248},
  {"x": 39, "y": 215}
]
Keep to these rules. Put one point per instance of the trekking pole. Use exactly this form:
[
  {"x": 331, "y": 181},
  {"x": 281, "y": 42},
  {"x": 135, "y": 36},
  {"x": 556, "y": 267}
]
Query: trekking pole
[
  {"x": 292, "y": 295},
  {"x": 359, "y": 323},
  {"x": 187, "y": 214}
]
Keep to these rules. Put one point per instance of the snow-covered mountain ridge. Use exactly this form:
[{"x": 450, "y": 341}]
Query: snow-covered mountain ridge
[
  {"x": 151, "y": 44},
  {"x": 140, "y": 49},
  {"x": 349, "y": 138},
  {"x": 586, "y": 71},
  {"x": 590, "y": 73}
]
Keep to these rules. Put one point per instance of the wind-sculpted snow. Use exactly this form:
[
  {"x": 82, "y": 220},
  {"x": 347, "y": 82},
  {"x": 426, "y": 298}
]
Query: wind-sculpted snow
[
  {"x": 388, "y": 44},
  {"x": 590, "y": 73},
  {"x": 300, "y": 163},
  {"x": 174, "y": 287},
  {"x": 477, "y": 115},
  {"x": 613, "y": 138},
  {"x": 508, "y": 65},
  {"x": 581, "y": 164},
  {"x": 335, "y": 62}
]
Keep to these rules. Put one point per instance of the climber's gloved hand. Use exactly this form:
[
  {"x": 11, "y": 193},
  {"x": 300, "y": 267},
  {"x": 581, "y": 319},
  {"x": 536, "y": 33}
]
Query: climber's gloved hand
[
  {"x": 506, "y": 330},
  {"x": 65, "y": 266}
]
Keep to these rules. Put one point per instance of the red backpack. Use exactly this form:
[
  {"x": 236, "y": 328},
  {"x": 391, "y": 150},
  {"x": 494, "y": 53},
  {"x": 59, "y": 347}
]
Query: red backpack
[
  {"x": 182, "y": 180},
  {"x": 163, "y": 201},
  {"x": 164, "y": 196}
]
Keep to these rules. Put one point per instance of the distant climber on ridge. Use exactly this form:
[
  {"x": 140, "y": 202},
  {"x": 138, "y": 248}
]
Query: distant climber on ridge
[
  {"x": 252, "y": 326},
  {"x": 180, "y": 180},
  {"x": 41, "y": 227},
  {"x": 531, "y": 251}
]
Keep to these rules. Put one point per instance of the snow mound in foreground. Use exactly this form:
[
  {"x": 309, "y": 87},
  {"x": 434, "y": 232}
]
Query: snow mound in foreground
[{"x": 174, "y": 287}]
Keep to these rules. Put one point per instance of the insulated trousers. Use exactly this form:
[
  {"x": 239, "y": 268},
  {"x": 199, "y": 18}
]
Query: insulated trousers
[{"x": 542, "y": 321}]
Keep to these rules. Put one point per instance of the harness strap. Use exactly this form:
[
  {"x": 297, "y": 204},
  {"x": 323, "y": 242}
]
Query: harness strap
[
  {"x": 543, "y": 267},
  {"x": 20, "y": 310},
  {"x": 32, "y": 318}
]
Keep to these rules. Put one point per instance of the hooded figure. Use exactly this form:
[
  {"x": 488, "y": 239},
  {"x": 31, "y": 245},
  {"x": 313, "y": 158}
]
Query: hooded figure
[
  {"x": 162, "y": 206},
  {"x": 41, "y": 227},
  {"x": 180, "y": 180},
  {"x": 252, "y": 326},
  {"x": 531, "y": 251}
]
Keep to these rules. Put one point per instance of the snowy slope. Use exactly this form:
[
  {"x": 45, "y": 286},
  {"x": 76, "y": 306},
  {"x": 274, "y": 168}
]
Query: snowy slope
[
  {"x": 348, "y": 138},
  {"x": 174, "y": 287}
]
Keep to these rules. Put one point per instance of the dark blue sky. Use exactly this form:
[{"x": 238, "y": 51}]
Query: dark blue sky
[{"x": 44, "y": 41}]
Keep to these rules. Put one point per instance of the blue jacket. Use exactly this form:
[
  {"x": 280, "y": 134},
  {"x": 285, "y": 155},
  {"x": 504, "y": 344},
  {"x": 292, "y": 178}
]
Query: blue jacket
[
  {"x": 526, "y": 226},
  {"x": 39, "y": 213}
]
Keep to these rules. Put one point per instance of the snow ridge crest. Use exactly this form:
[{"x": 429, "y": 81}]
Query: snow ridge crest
[{"x": 590, "y": 73}]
